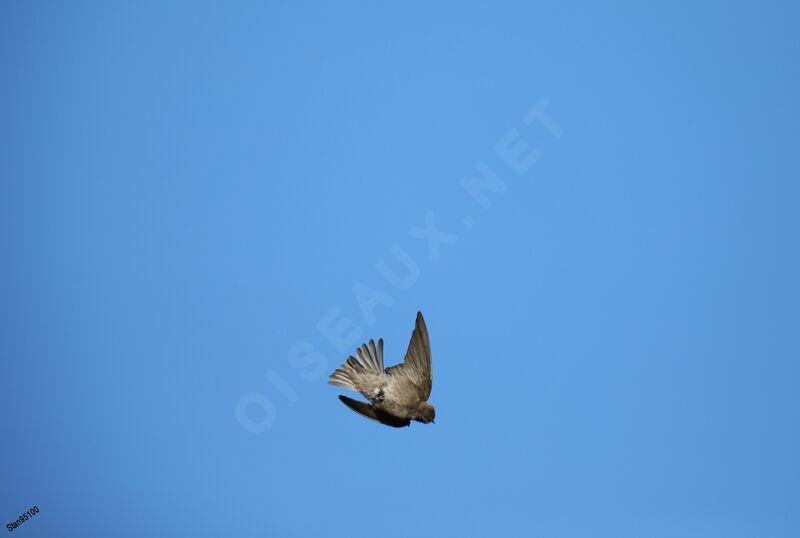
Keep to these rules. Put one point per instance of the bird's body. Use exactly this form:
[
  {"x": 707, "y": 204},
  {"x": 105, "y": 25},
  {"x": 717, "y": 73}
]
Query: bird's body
[{"x": 398, "y": 394}]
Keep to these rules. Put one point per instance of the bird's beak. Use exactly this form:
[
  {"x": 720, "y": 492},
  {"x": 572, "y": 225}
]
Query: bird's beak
[{"x": 433, "y": 422}]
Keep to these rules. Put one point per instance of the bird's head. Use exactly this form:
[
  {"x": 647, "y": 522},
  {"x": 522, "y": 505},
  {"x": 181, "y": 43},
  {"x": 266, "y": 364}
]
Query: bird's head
[{"x": 425, "y": 413}]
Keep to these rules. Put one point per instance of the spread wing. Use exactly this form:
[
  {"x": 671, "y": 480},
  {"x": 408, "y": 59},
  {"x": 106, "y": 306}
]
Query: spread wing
[
  {"x": 417, "y": 365},
  {"x": 374, "y": 414}
]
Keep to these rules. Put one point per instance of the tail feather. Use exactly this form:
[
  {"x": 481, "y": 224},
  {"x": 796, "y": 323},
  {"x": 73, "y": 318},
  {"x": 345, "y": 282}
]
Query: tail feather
[
  {"x": 369, "y": 362},
  {"x": 370, "y": 357},
  {"x": 344, "y": 375}
]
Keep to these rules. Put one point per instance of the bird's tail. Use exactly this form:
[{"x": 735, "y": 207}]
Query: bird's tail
[{"x": 370, "y": 358}]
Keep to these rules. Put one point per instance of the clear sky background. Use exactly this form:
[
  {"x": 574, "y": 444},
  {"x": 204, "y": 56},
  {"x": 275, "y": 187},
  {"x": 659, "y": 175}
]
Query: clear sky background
[{"x": 187, "y": 190}]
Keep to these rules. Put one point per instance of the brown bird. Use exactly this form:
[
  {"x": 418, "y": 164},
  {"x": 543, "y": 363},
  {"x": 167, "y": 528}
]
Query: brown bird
[{"x": 398, "y": 394}]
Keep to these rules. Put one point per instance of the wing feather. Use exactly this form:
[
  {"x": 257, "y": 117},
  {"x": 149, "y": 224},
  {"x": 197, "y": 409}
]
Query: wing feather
[
  {"x": 371, "y": 413},
  {"x": 417, "y": 365}
]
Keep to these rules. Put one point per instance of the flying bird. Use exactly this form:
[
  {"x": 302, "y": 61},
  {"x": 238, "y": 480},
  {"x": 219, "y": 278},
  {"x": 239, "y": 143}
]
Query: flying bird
[{"x": 398, "y": 394}]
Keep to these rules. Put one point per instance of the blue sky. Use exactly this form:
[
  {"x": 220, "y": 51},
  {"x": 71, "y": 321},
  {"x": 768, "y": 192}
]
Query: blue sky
[{"x": 188, "y": 190}]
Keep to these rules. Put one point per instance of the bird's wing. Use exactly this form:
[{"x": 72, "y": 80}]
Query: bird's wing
[
  {"x": 371, "y": 413},
  {"x": 417, "y": 365}
]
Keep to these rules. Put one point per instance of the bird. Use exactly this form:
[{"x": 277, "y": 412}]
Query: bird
[{"x": 398, "y": 394}]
